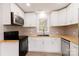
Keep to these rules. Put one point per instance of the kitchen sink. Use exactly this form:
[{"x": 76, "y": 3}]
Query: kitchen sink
[{"x": 43, "y": 35}]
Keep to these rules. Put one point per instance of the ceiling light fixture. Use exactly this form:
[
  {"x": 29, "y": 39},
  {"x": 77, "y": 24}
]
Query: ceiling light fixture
[{"x": 28, "y": 4}]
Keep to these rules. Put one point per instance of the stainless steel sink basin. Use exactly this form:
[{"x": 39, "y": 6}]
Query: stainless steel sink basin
[{"x": 43, "y": 35}]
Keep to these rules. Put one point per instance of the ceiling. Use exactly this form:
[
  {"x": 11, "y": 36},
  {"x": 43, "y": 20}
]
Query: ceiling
[{"x": 42, "y": 6}]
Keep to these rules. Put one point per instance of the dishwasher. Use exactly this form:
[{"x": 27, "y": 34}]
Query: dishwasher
[{"x": 65, "y": 47}]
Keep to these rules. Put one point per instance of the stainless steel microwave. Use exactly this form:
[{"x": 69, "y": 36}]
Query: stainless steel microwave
[{"x": 16, "y": 19}]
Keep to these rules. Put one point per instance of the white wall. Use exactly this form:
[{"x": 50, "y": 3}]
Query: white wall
[
  {"x": 10, "y": 48},
  {"x": 1, "y": 23}
]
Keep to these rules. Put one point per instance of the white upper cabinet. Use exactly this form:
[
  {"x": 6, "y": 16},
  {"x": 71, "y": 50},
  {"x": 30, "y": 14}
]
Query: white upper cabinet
[
  {"x": 30, "y": 20},
  {"x": 1, "y": 23},
  {"x": 58, "y": 18},
  {"x": 6, "y": 13},
  {"x": 66, "y": 16},
  {"x": 17, "y": 10},
  {"x": 72, "y": 14},
  {"x": 53, "y": 19},
  {"x": 7, "y": 8},
  {"x": 62, "y": 17}
]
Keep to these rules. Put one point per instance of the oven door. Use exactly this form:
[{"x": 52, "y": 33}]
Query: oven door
[{"x": 23, "y": 46}]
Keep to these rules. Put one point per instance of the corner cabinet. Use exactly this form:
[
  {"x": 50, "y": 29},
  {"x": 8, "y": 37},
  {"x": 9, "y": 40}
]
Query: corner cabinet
[
  {"x": 30, "y": 20},
  {"x": 7, "y": 8},
  {"x": 66, "y": 16},
  {"x": 58, "y": 18},
  {"x": 72, "y": 14}
]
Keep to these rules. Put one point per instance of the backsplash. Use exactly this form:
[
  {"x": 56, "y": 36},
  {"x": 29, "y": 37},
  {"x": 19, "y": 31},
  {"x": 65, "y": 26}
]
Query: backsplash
[
  {"x": 32, "y": 31},
  {"x": 72, "y": 30},
  {"x": 65, "y": 30},
  {"x": 22, "y": 30},
  {"x": 56, "y": 30}
]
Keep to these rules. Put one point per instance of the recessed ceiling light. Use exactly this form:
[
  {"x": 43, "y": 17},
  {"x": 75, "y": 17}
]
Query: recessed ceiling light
[{"x": 28, "y": 4}]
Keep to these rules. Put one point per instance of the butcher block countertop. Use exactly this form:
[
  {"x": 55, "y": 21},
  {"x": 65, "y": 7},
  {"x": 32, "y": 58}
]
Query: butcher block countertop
[
  {"x": 71, "y": 38},
  {"x": 8, "y": 40},
  {"x": 68, "y": 37}
]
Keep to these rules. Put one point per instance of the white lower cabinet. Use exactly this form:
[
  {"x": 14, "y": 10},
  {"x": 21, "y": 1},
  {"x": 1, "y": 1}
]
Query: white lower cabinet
[
  {"x": 44, "y": 44},
  {"x": 73, "y": 49},
  {"x": 34, "y": 44},
  {"x": 47, "y": 45},
  {"x": 9, "y": 48},
  {"x": 52, "y": 45}
]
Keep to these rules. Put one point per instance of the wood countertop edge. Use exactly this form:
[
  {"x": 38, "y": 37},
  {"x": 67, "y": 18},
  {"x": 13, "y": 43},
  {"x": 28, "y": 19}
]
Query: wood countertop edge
[
  {"x": 60, "y": 53},
  {"x": 8, "y": 41},
  {"x": 71, "y": 39},
  {"x": 68, "y": 37}
]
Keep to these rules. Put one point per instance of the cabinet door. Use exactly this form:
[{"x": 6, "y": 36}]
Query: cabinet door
[
  {"x": 56, "y": 45},
  {"x": 72, "y": 14},
  {"x": 39, "y": 45},
  {"x": 47, "y": 46},
  {"x": 16, "y": 10},
  {"x": 30, "y": 20},
  {"x": 76, "y": 13},
  {"x": 73, "y": 49},
  {"x": 35, "y": 44},
  {"x": 53, "y": 19},
  {"x": 1, "y": 23},
  {"x": 6, "y": 13},
  {"x": 52, "y": 45},
  {"x": 10, "y": 48},
  {"x": 62, "y": 16},
  {"x": 31, "y": 44}
]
